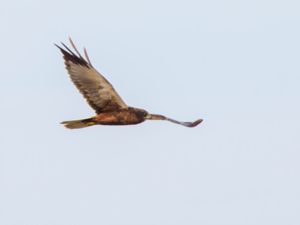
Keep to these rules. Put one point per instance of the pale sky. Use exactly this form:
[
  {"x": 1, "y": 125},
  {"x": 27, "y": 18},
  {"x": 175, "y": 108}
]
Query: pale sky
[{"x": 233, "y": 63}]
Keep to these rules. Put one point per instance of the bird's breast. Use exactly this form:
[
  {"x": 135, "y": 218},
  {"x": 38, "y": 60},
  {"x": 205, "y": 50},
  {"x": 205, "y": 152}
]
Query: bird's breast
[{"x": 122, "y": 117}]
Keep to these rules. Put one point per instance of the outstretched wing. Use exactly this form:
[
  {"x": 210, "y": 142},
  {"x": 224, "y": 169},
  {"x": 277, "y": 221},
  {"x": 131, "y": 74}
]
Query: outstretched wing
[{"x": 98, "y": 92}]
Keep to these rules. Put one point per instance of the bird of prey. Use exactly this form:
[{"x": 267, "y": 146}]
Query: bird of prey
[{"x": 102, "y": 97}]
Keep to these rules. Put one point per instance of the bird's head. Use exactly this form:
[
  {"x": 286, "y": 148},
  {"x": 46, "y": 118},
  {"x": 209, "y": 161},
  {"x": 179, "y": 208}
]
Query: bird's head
[
  {"x": 147, "y": 116},
  {"x": 141, "y": 113}
]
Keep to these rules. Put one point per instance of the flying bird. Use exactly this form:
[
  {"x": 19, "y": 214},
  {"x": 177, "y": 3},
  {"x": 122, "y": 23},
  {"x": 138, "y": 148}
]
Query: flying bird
[{"x": 102, "y": 97}]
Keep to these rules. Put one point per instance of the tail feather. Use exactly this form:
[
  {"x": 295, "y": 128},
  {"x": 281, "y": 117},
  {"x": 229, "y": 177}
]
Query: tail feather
[{"x": 76, "y": 124}]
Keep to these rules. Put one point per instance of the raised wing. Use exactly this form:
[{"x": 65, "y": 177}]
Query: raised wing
[{"x": 98, "y": 92}]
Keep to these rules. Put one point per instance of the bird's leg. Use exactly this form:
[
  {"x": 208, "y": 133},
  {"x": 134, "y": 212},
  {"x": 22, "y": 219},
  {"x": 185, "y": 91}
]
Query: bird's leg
[{"x": 161, "y": 117}]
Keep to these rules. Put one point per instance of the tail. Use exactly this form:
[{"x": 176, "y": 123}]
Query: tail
[{"x": 75, "y": 124}]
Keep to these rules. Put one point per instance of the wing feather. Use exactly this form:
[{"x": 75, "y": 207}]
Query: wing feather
[{"x": 98, "y": 92}]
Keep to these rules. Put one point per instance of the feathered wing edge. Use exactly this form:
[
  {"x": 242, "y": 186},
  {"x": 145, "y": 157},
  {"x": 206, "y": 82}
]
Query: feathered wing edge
[
  {"x": 69, "y": 55},
  {"x": 161, "y": 117}
]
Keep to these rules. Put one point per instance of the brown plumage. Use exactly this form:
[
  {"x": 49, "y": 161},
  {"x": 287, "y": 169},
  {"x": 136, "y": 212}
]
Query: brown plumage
[{"x": 102, "y": 97}]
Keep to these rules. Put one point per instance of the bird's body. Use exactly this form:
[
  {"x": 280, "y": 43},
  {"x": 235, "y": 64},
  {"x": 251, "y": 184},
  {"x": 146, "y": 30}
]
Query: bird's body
[
  {"x": 128, "y": 116},
  {"x": 102, "y": 97}
]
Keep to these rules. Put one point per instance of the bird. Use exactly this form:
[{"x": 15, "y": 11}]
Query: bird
[{"x": 101, "y": 96}]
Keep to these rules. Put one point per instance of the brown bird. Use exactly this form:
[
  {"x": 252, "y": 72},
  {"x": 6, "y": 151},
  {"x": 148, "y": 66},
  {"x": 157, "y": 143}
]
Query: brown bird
[{"x": 102, "y": 97}]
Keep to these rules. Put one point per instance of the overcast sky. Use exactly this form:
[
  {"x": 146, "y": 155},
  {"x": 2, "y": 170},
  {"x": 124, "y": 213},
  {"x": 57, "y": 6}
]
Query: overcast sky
[{"x": 233, "y": 63}]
